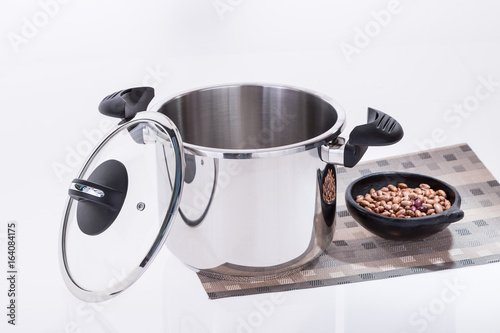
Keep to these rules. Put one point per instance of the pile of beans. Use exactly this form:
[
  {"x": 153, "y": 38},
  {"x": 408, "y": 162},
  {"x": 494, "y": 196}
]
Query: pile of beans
[
  {"x": 404, "y": 202},
  {"x": 329, "y": 187}
]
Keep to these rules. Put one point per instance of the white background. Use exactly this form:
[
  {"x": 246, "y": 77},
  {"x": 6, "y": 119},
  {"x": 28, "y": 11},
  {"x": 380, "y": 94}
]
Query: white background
[{"x": 418, "y": 60}]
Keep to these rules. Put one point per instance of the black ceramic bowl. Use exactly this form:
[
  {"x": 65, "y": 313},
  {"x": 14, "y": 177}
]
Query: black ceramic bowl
[{"x": 401, "y": 228}]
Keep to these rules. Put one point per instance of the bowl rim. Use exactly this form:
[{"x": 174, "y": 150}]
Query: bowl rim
[{"x": 423, "y": 220}]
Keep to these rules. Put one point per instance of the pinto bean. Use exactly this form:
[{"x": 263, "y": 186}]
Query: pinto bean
[{"x": 402, "y": 201}]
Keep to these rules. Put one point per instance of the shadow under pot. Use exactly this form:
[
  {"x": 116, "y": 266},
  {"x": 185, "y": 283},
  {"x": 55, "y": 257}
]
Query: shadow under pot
[{"x": 237, "y": 180}]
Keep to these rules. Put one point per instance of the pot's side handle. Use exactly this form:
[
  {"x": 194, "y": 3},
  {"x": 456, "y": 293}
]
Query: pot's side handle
[
  {"x": 380, "y": 130},
  {"x": 126, "y": 103}
]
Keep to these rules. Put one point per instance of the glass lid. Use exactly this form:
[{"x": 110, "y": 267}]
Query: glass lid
[{"x": 121, "y": 206}]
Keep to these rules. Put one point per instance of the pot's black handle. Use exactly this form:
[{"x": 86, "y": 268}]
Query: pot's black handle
[
  {"x": 380, "y": 130},
  {"x": 126, "y": 103}
]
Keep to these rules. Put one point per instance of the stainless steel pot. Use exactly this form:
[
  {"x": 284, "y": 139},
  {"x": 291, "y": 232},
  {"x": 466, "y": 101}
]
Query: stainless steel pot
[{"x": 255, "y": 196}]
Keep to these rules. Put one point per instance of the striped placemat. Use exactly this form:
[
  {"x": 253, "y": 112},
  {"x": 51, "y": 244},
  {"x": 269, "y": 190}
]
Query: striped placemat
[{"x": 356, "y": 255}]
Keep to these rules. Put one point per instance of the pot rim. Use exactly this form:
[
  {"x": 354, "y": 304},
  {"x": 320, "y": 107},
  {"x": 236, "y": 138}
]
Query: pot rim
[{"x": 314, "y": 142}]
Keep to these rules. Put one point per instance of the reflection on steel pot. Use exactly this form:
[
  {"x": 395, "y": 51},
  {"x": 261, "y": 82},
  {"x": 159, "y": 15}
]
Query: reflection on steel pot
[{"x": 256, "y": 189}]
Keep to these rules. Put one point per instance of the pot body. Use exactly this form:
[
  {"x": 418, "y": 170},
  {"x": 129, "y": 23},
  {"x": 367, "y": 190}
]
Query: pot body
[
  {"x": 255, "y": 201},
  {"x": 264, "y": 217}
]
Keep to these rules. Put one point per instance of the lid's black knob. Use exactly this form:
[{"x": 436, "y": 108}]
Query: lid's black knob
[
  {"x": 101, "y": 197},
  {"x": 126, "y": 103}
]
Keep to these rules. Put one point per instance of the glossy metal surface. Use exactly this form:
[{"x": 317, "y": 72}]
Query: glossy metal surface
[
  {"x": 245, "y": 121},
  {"x": 263, "y": 213},
  {"x": 87, "y": 189},
  {"x": 266, "y": 217},
  {"x": 333, "y": 153}
]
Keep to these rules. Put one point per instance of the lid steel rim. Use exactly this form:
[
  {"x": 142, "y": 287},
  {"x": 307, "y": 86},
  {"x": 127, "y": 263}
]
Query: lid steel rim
[{"x": 135, "y": 274}]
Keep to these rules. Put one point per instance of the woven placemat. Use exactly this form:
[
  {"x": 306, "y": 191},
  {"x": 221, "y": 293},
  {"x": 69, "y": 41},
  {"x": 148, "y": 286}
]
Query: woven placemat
[{"x": 356, "y": 255}]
